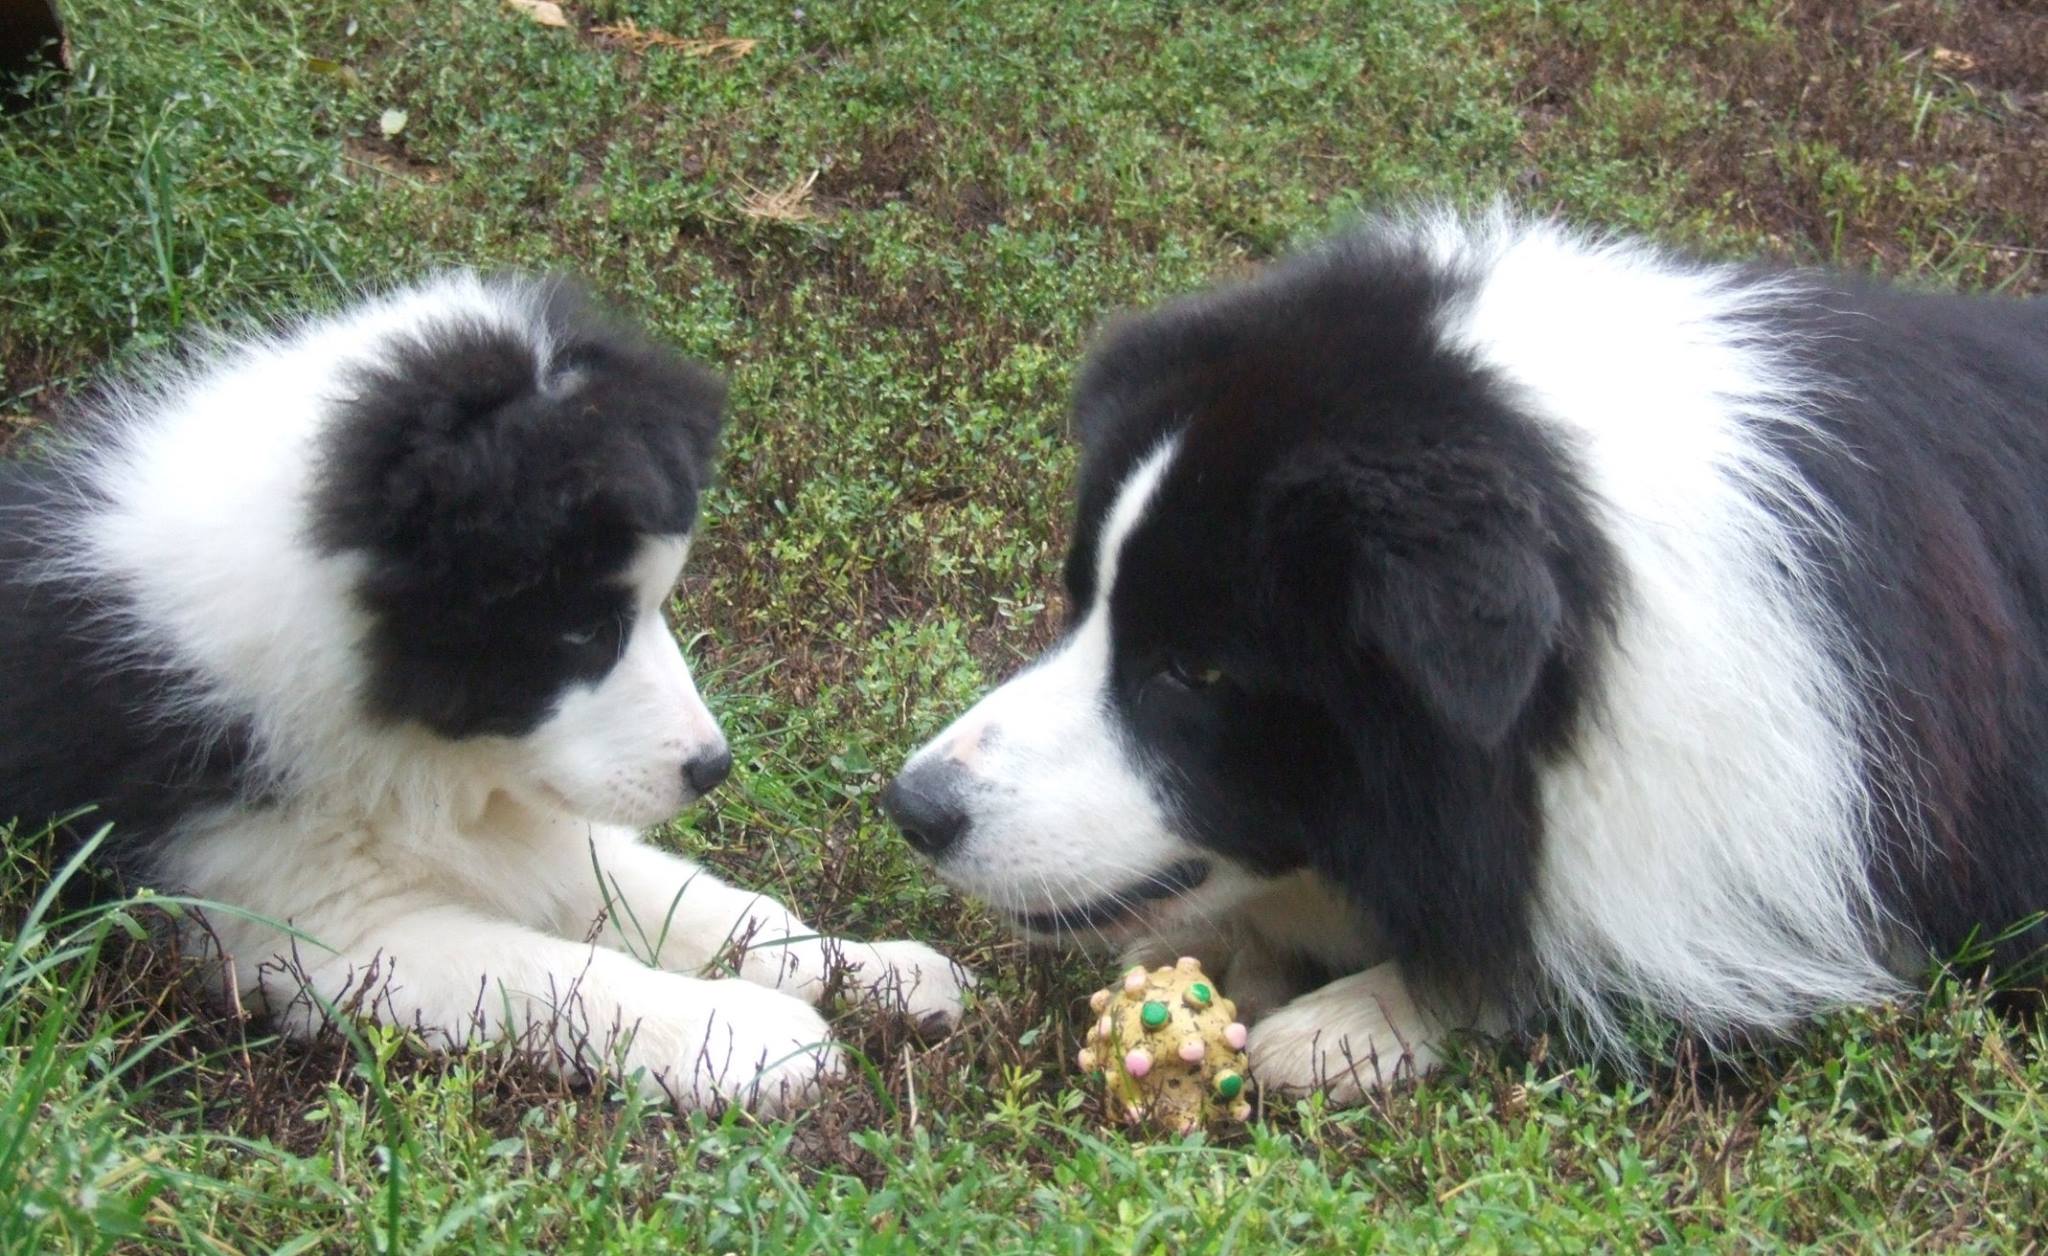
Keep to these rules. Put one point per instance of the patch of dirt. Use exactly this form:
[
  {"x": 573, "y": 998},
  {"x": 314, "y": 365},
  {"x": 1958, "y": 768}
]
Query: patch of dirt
[
  {"x": 893, "y": 165},
  {"x": 906, "y": 164},
  {"x": 1996, "y": 69},
  {"x": 1902, "y": 136},
  {"x": 14, "y": 427},
  {"x": 33, "y": 390}
]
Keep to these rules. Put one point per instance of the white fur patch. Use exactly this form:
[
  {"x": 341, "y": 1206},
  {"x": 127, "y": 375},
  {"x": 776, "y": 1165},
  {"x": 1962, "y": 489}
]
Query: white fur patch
[
  {"x": 1706, "y": 847},
  {"x": 1254, "y": 946}
]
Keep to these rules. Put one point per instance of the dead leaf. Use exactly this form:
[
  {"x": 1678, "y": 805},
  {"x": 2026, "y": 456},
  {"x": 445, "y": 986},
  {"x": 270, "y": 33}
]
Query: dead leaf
[
  {"x": 790, "y": 204},
  {"x": 639, "y": 38},
  {"x": 544, "y": 12},
  {"x": 391, "y": 122},
  {"x": 1950, "y": 59}
]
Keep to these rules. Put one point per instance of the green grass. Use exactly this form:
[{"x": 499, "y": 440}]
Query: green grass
[{"x": 991, "y": 181}]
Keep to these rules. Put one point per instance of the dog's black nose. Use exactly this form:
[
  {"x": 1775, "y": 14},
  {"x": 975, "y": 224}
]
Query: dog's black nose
[
  {"x": 928, "y": 802},
  {"x": 706, "y": 771}
]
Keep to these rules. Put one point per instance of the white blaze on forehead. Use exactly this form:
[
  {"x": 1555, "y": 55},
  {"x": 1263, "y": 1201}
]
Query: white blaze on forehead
[
  {"x": 653, "y": 573},
  {"x": 1126, "y": 513}
]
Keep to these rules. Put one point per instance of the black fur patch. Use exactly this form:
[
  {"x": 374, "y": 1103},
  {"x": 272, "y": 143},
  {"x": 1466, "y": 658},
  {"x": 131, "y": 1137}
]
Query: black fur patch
[
  {"x": 497, "y": 499},
  {"x": 88, "y": 716}
]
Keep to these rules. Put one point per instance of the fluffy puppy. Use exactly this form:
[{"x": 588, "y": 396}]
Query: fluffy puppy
[
  {"x": 359, "y": 630},
  {"x": 1476, "y": 622}
]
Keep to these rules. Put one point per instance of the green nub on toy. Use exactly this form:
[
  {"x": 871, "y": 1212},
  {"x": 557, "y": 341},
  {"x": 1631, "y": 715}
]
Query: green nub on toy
[{"x": 1168, "y": 1050}]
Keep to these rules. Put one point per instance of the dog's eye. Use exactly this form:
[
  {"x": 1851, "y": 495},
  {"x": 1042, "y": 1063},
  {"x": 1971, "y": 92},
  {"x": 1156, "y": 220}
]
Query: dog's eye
[
  {"x": 579, "y": 637},
  {"x": 1192, "y": 674}
]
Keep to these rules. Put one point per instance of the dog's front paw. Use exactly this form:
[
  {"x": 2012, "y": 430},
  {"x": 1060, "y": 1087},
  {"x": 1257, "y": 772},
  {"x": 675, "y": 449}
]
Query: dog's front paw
[
  {"x": 732, "y": 1042},
  {"x": 909, "y": 979},
  {"x": 1361, "y": 1033}
]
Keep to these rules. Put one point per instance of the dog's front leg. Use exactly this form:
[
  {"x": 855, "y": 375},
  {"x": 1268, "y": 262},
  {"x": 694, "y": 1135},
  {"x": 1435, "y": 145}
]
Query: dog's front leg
[
  {"x": 456, "y": 976},
  {"x": 676, "y": 914}
]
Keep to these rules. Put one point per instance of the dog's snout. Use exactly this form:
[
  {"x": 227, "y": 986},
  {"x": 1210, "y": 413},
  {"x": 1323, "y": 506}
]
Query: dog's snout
[
  {"x": 706, "y": 771},
  {"x": 928, "y": 802}
]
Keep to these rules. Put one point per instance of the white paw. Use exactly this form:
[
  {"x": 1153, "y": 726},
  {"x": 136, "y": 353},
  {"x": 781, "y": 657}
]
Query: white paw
[
  {"x": 732, "y": 1042},
  {"x": 1362, "y": 1033},
  {"x": 909, "y": 979}
]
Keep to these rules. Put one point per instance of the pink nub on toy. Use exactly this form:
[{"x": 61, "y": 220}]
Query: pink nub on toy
[
  {"x": 1234, "y": 1034},
  {"x": 1138, "y": 1062},
  {"x": 1193, "y": 1050},
  {"x": 1134, "y": 981}
]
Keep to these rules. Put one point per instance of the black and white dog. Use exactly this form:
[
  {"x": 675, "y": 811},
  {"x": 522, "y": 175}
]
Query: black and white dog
[
  {"x": 360, "y": 629},
  {"x": 1473, "y": 621}
]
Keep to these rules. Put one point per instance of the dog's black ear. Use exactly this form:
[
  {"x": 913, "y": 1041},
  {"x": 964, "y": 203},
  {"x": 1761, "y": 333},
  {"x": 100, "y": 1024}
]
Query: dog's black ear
[
  {"x": 666, "y": 394},
  {"x": 418, "y": 448},
  {"x": 461, "y": 447},
  {"x": 1433, "y": 565}
]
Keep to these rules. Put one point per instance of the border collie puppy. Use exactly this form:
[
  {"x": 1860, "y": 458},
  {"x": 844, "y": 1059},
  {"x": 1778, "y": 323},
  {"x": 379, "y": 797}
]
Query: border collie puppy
[
  {"x": 360, "y": 630},
  {"x": 1474, "y": 622}
]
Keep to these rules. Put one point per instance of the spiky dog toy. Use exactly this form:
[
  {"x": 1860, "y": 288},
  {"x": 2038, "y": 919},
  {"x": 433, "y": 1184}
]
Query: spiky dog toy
[{"x": 1168, "y": 1050}]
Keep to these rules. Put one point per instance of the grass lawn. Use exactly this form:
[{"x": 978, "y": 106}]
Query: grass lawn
[{"x": 894, "y": 224}]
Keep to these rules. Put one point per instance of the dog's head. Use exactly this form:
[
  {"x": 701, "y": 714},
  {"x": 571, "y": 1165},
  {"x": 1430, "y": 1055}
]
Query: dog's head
[
  {"x": 513, "y": 480},
  {"x": 1319, "y": 598}
]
